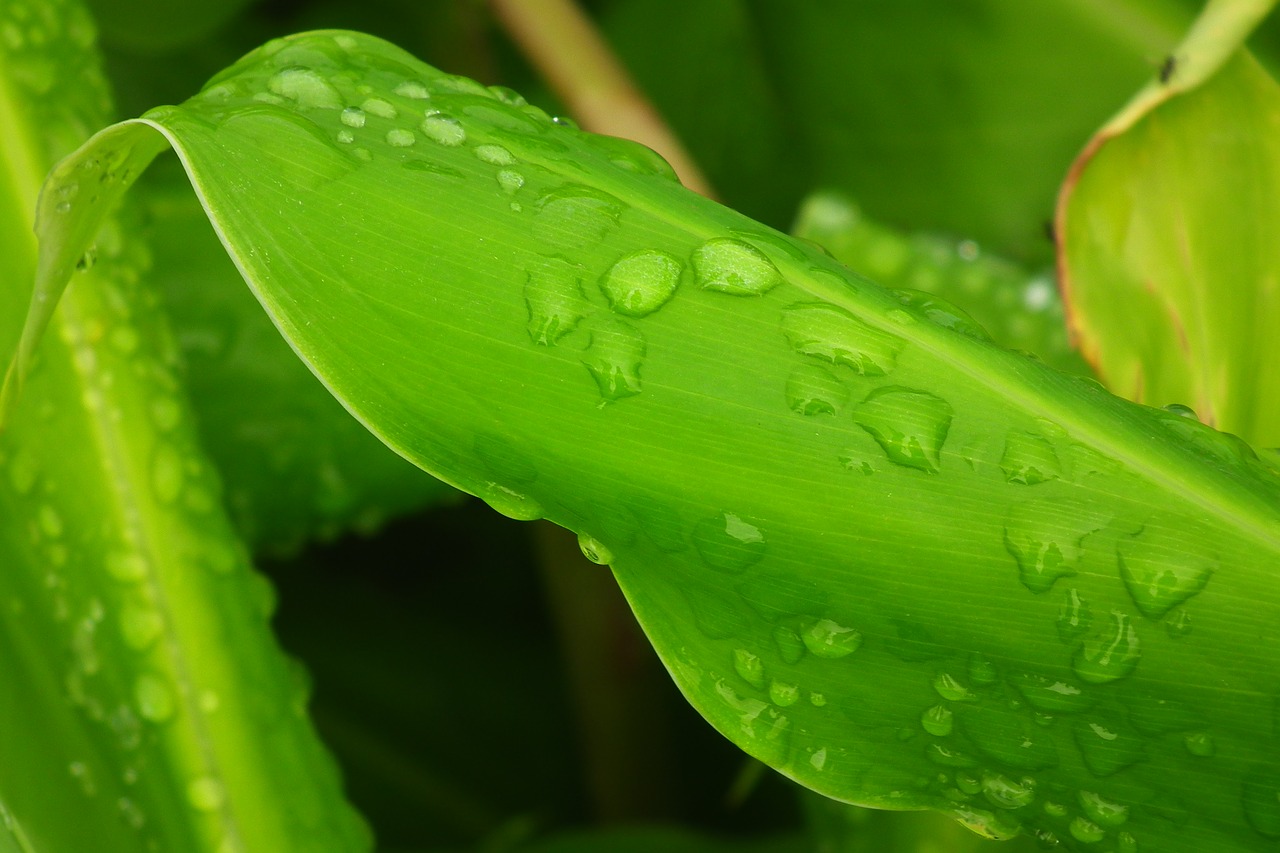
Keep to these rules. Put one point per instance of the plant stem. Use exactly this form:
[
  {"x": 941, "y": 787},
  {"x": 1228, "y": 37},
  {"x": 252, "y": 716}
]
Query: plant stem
[{"x": 562, "y": 43}]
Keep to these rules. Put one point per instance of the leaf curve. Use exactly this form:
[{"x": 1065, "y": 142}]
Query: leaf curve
[{"x": 823, "y": 506}]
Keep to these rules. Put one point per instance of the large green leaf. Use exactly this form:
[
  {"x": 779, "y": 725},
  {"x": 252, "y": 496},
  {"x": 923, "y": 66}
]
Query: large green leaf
[
  {"x": 1169, "y": 252},
  {"x": 904, "y": 567},
  {"x": 145, "y": 704}
]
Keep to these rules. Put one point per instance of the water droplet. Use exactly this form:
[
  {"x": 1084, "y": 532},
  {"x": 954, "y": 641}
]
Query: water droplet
[
  {"x": 728, "y": 543},
  {"x": 594, "y": 550},
  {"x": 790, "y": 646},
  {"x": 379, "y": 108},
  {"x": 1045, "y": 538},
  {"x": 941, "y": 753},
  {"x": 783, "y": 694},
  {"x": 205, "y": 794},
  {"x": 511, "y": 503},
  {"x": 1110, "y": 656},
  {"x": 949, "y": 687},
  {"x": 1106, "y": 746},
  {"x": 553, "y": 296},
  {"x": 938, "y": 720},
  {"x": 140, "y": 626},
  {"x": 749, "y": 668},
  {"x": 306, "y": 87},
  {"x": 825, "y": 638},
  {"x": 1200, "y": 744},
  {"x": 494, "y": 155},
  {"x": 81, "y": 773},
  {"x": 763, "y": 731},
  {"x": 1102, "y": 811},
  {"x": 153, "y": 697},
  {"x": 510, "y": 181},
  {"x": 49, "y": 521},
  {"x": 995, "y": 827},
  {"x": 352, "y": 117},
  {"x": 412, "y": 89},
  {"x": 400, "y": 138},
  {"x": 126, "y": 566},
  {"x": 833, "y": 334},
  {"x": 444, "y": 130},
  {"x": 1082, "y": 829},
  {"x": 910, "y": 426},
  {"x": 817, "y": 700},
  {"x": 1005, "y": 793},
  {"x": 508, "y": 96},
  {"x": 642, "y": 282},
  {"x": 813, "y": 390},
  {"x": 1163, "y": 568},
  {"x": 576, "y": 216},
  {"x": 613, "y": 359},
  {"x": 1126, "y": 843},
  {"x": 1029, "y": 459},
  {"x": 981, "y": 670},
  {"x": 1178, "y": 625},
  {"x": 1074, "y": 617},
  {"x": 1052, "y": 695},
  {"x": 733, "y": 267},
  {"x": 167, "y": 476}
]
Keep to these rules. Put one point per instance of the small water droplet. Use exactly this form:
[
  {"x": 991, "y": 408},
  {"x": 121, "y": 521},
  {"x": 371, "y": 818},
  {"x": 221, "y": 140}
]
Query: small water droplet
[
  {"x": 153, "y": 697},
  {"x": 1102, "y": 811},
  {"x": 731, "y": 266},
  {"x": 511, "y": 503},
  {"x": 640, "y": 283},
  {"x": 1051, "y": 694},
  {"x": 1046, "y": 538},
  {"x": 1163, "y": 568},
  {"x": 1029, "y": 459},
  {"x": 1200, "y": 744},
  {"x": 728, "y": 543},
  {"x": 1000, "y": 827},
  {"x": 444, "y": 130},
  {"x": 950, "y": 688},
  {"x": 1106, "y": 746},
  {"x": 910, "y": 426},
  {"x": 140, "y": 626},
  {"x": 1110, "y": 656},
  {"x": 379, "y": 108},
  {"x": 1084, "y": 830},
  {"x": 553, "y": 296},
  {"x": 817, "y": 700},
  {"x": 564, "y": 121},
  {"x": 306, "y": 87},
  {"x": 790, "y": 646},
  {"x": 81, "y": 773},
  {"x": 494, "y": 155},
  {"x": 614, "y": 358},
  {"x": 938, "y": 720},
  {"x": 946, "y": 756},
  {"x": 749, "y": 668},
  {"x": 510, "y": 181},
  {"x": 1074, "y": 617},
  {"x": 346, "y": 137},
  {"x": 400, "y": 138},
  {"x": 826, "y": 638},
  {"x": 1006, "y": 793},
  {"x": 783, "y": 694},
  {"x": 833, "y": 334},
  {"x": 412, "y": 89},
  {"x": 594, "y": 550},
  {"x": 813, "y": 390},
  {"x": 576, "y": 216},
  {"x": 1178, "y": 625},
  {"x": 508, "y": 96},
  {"x": 352, "y": 117},
  {"x": 981, "y": 670}
]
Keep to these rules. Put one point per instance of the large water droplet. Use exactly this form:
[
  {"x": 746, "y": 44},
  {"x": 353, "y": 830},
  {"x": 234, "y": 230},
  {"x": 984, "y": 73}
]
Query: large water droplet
[
  {"x": 825, "y": 638},
  {"x": 910, "y": 426},
  {"x": 938, "y": 720},
  {"x": 790, "y": 646},
  {"x": 1006, "y": 793},
  {"x": 379, "y": 108},
  {"x": 444, "y": 130},
  {"x": 1165, "y": 567},
  {"x": 613, "y": 359},
  {"x": 1029, "y": 459},
  {"x": 594, "y": 550},
  {"x": 731, "y": 266},
  {"x": 576, "y": 216},
  {"x": 1051, "y": 695},
  {"x": 1085, "y": 830},
  {"x": 1045, "y": 538},
  {"x": 728, "y": 543},
  {"x": 640, "y": 283},
  {"x": 352, "y": 117},
  {"x": 749, "y": 668},
  {"x": 813, "y": 390},
  {"x": 1074, "y": 617},
  {"x": 833, "y": 334},
  {"x": 306, "y": 87},
  {"x": 943, "y": 313},
  {"x": 553, "y": 297},
  {"x": 1102, "y": 811},
  {"x": 783, "y": 694},
  {"x": 1106, "y": 746},
  {"x": 1110, "y": 656},
  {"x": 494, "y": 155}
]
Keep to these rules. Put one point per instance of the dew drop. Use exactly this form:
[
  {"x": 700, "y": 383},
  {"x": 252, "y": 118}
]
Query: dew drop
[
  {"x": 153, "y": 697},
  {"x": 400, "y": 138},
  {"x": 553, "y": 297},
  {"x": 1074, "y": 617},
  {"x": 412, "y": 89},
  {"x": 510, "y": 181},
  {"x": 1200, "y": 744},
  {"x": 614, "y": 358},
  {"x": 988, "y": 825},
  {"x": 594, "y": 550},
  {"x": 1106, "y": 747},
  {"x": 938, "y": 720},
  {"x": 814, "y": 390},
  {"x": 825, "y": 638},
  {"x": 832, "y": 334},
  {"x": 1102, "y": 811},
  {"x": 1051, "y": 695},
  {"x": 576, "y": 216},
  {"x": 444, "y": 130},
  {"x": 379, "y": 108},
  {"x": 749, "y": 668},
  {"x": 306, "y": 87},
  {"x": 126, "y": 566},
  {"x": 512, "y": 504},
  {"x": 1111, "y": 656},
  {"x": 352, "y": 117},
  {"x": 1162, "y": 569},
  {"x": 981, "y": 669},
  {"x": 728, "y": 543},
  {"x": 140, "y": 626},
  {"x": 731, "y": 266},
  {"x": 910, "y": 426},
  {"x": 494, "y": 155},
  {"x": 790, "y": 645},
  {"x": 1029, "y": 459},
  {"x": 817, "y": 700},
  {"x": 640, "y": 283},
  {"x": 949, "y": 687},
  {"x": 942, "y": 313},
  {"x": 946, "y": 756},
  {"x": 1045, "y": 538},
  {"x": 1178, "y": 625},
  {"x": 1084, "y": 830},
  {"x": 783, "y": 694},
  {"x": 205, "y": 794},
  {"x": 1005, "y": 793}
]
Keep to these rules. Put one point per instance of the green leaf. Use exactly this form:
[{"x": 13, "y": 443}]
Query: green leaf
[
  {"x": 905, "y": 567},
  {"x": 1169, "y": 257},
  {"x": 146, "y": 705}
]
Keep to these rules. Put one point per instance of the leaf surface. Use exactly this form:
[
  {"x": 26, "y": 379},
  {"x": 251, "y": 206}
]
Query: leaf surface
[{"x": 904, "y": 567}]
